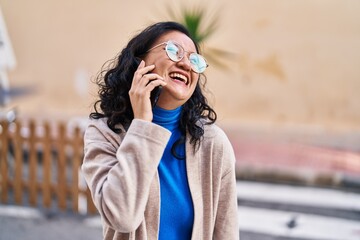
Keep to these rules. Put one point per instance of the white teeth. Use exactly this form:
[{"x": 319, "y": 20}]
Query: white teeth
[{"x": 178, "y": 75}]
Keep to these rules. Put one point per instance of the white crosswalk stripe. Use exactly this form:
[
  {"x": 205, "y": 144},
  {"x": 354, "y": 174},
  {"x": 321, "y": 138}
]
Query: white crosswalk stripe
[
  {"x": 274, "y": 222},
  {"x": 20, "y": 212},
  {"x": 307, "y": 226},
  {"x": 298, "y": 195}
]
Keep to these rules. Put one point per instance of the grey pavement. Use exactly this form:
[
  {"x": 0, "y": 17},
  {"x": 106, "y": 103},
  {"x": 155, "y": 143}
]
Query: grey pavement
[{"x": 32, "y": 224}]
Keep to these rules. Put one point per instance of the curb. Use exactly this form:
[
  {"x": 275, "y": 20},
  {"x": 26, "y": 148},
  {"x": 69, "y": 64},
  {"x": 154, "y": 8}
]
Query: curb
[{"x": 304, "y": 177}]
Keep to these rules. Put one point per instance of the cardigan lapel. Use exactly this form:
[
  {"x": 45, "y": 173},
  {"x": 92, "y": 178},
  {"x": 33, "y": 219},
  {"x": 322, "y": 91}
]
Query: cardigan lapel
[{"x": 193, "y": 175}]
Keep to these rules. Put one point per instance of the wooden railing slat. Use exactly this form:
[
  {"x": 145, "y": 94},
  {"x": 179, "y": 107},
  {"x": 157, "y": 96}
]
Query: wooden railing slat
[
  {"x": 17, "y": 143},
  {"x": 32, "y": 165},
  {"x": 61, "y": 168},
  {"x": 90, "y": 204},
  {"x": 46, "y": 186},
  {"x": 3, "y": 161},
  {"x": 75, "y": 168}
]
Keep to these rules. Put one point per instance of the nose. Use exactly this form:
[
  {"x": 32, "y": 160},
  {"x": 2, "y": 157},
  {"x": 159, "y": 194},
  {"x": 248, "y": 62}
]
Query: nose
[{"x": 185, "y": 63}]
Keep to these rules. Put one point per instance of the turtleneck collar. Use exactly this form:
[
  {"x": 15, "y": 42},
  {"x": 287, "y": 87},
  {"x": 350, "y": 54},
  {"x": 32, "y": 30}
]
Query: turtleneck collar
[{"x": 168, "y": 119}]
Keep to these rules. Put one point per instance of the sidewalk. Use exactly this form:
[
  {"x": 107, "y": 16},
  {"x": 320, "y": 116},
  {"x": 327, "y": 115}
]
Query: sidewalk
[
  {"x": 279, "y": 160},
  {"x": 18, "y": 222}
]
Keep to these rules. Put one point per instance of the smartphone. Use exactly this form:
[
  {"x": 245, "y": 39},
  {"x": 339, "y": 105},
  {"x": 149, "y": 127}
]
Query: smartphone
[{"x": 154, "y": 96}]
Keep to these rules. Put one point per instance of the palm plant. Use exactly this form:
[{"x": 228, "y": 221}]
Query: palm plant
[{"x": 194, "y": 19}]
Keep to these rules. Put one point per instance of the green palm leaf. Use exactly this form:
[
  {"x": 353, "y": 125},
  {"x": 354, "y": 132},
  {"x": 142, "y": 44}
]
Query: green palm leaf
[{"x": 201, "y": 27}]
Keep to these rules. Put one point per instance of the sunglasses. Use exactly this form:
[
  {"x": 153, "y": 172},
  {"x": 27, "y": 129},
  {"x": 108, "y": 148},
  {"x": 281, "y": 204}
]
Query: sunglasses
[{"x": 176, "y": 52}]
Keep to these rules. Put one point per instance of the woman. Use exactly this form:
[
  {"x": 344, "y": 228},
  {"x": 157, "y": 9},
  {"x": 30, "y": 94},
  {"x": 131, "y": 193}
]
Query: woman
[{"x": 155, "y": 162}]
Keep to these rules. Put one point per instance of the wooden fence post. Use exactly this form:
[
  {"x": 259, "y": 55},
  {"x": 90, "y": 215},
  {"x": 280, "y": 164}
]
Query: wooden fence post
[
  {"x": 61, "y": 173},
  {"x": 18, "y": 154},
  {"x": 32, "y": 165},
  {"x": 90, "y": 204},
  {"x": 3, "y": 161},
  {"x": 75, "y": 168},
  {"x": 47, "y": 163}
]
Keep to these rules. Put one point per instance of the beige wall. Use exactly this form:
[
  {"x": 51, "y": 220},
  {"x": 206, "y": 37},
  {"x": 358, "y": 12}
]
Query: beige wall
[{"x": 297, "y": 62}]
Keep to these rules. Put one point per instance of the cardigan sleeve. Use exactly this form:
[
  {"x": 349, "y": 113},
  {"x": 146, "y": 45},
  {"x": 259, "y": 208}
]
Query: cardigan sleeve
[
  {"x": 226, "y": 223},
  {"x": 119, "y": 170}
]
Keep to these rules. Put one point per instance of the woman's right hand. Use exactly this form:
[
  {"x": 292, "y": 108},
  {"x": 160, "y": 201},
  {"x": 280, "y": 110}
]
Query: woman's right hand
[{"x": 144, "y": 81}]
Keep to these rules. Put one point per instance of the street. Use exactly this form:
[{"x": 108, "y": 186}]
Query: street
[
  {"x": 274, "y": 212},
  {"x": 266, "y": 212}
]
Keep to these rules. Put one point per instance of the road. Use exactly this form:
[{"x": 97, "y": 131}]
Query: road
[
  {"x": 279, "y": 212},
  {"x": 266, "y": 212}
]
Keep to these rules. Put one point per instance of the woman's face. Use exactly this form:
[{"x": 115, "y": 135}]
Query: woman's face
[{"x": 181, "y": 80}]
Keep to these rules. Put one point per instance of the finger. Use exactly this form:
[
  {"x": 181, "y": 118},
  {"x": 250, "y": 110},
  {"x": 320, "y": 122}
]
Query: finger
[
  {"x": 142, "y": 69},
  {"x": 141, "y": 64},
  {"x": 155, "y": 83},
  {"x": 138, "y": 73},
  {"x": 150, "y": 77}
]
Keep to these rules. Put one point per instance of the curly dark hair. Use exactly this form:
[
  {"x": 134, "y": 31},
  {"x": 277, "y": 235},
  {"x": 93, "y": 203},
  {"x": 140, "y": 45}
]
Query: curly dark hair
[{"x": 115, "y": 80}]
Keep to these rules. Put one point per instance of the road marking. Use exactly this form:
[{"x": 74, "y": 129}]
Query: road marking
[
  {"x": 93, "y": 222},
  {"x": 307, "y": 226},
  {"x": 304, "y": 196},
  {"x": 20, "y": 212}
]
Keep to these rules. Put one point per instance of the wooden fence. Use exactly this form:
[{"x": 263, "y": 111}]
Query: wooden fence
[{"x": 40, "y": 167}]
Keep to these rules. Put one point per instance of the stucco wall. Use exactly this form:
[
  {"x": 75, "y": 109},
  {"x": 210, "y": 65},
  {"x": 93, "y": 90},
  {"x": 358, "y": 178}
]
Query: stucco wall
[{"x": 296, "y": 62}]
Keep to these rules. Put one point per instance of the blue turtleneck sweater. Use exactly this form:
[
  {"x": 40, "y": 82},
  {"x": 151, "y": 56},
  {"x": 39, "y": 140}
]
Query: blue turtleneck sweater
[{"x": 176, "y": 207}]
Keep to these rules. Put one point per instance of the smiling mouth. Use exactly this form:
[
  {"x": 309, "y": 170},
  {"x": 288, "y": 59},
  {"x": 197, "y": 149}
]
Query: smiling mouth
[{"x": 179, "y": 77}]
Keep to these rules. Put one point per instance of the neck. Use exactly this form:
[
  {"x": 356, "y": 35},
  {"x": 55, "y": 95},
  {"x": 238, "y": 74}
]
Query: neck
[{"x": 169, "y": 119}]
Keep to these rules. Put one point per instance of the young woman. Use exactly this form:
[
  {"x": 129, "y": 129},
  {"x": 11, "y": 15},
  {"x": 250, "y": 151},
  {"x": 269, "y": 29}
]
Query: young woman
[{"x": 155, "y": 162}]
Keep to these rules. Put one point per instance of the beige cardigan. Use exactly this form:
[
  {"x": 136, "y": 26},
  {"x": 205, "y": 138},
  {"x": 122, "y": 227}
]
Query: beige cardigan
[{"x": 121, "y": 172}]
